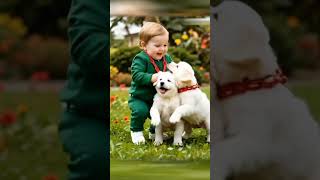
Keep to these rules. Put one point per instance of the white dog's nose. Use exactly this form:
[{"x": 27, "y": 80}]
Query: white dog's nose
[{"x": 161, "y": 83}]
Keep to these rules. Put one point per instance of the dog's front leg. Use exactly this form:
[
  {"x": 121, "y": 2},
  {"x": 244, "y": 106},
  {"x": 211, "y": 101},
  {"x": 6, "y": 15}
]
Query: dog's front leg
[
  {"x": 236, "y": 153},
  {"x": 177, "y": 141},
  {"x": 158, "y": 135},
  {"x": 155, "y": 115},
  {"x": 181, "y": 111}
]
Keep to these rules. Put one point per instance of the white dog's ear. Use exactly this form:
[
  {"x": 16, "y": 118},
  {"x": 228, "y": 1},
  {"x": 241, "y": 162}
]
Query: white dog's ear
[
  {"x": 172, "y": 66},
  {"x": 187, "y": 78}
]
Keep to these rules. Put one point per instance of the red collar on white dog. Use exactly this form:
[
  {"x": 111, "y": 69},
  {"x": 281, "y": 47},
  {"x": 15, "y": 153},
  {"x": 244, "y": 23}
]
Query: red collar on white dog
[
  {"x": 235, "y": 88},
  {"x": 180, "y": 90}
]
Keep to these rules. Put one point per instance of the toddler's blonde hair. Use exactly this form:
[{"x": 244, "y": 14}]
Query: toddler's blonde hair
[{"x": 149, "y": 30}]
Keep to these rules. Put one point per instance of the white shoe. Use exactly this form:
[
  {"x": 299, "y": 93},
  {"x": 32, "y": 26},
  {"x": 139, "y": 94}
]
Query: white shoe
[{"x": 137, "y": 137}]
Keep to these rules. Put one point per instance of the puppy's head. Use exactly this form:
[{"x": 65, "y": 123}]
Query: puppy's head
[
  {"x": 166, "y": 85},
  {"x": 184, "y": 74},
  {"x": 240, "y": 43}
]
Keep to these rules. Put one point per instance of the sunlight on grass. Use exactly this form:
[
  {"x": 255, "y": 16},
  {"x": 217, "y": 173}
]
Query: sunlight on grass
[{"x": 135, "y": 170}]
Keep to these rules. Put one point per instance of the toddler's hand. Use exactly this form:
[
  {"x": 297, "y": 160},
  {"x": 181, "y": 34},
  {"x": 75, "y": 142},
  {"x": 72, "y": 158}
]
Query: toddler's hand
[{"x": 154, "y": 77}]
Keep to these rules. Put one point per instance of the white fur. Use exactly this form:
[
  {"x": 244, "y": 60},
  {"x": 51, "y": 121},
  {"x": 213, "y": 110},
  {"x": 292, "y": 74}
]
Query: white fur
[
  {"x": 164, "y": 104},
  {"x": 195, "y": 106},
  {"x": 267, "y": 126}
]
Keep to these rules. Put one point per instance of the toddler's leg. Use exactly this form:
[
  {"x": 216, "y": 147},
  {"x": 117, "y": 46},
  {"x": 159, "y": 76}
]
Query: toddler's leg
[{"x": 139, "y": 113}]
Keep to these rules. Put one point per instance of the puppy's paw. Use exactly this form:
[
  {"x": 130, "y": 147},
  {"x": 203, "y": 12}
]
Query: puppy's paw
[
  {"x": 158, "y": 142},
  {"x": 175, "y": 117},
  {"x": 177, "y": 143},
  {"x": 155, "y": 121}
]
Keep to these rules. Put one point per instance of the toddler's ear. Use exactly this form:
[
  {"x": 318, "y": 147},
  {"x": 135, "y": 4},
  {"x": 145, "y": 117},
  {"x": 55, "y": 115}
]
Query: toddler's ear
[{"x": 155, "y": 83}]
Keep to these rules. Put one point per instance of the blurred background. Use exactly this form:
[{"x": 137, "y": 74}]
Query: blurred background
[
  {"x": 33, "y": 62},
  {"x": 294, "y": 28}
]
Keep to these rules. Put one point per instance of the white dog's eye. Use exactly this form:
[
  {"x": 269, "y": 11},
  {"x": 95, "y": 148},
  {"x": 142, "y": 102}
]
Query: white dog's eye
[
  {"x": 177, "y": 66},
  {"x": 160, "y": 79},
  {"x": 169, "y": 80}
]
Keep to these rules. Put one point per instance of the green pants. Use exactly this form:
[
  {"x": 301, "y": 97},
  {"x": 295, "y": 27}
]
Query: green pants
[
  {"x": 86, "y": 140},
  {"x": 140, "y": 111}
]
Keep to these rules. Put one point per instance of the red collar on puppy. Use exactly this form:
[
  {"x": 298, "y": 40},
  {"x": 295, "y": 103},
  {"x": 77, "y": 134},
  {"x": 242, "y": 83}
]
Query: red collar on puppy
[
  {"x": 235, "y": 88},
  {"x": 180, "y": 90}
]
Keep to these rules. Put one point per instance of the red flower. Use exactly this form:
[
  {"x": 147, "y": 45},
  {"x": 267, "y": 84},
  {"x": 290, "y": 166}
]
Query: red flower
[
  {"x": 40, "y": 76},
  {"x": 8, "y": 118},
  {"x": 126, "y": 118},
  {"x": 50, "y": 177},
  {"x": 122, "y": 86},
  {"x": 2, "y": 87}
]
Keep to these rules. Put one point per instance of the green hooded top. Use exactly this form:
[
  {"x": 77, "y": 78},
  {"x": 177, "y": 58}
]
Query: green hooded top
[{"x": 141, "y": 71}]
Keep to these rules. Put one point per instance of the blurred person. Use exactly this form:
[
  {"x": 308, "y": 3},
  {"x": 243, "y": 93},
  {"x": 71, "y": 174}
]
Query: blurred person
[{"x": 84, "y": 129}]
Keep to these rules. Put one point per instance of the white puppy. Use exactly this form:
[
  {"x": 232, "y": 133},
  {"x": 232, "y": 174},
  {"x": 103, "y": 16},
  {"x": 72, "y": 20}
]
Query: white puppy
[
  {"x": 195, "y": 105},
  {"x": 164, "y": 104},
  {"x": 264, "y": 122}
]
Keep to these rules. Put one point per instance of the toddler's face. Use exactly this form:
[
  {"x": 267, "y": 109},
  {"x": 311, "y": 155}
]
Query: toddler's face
[{"x": 157, "y": 46}]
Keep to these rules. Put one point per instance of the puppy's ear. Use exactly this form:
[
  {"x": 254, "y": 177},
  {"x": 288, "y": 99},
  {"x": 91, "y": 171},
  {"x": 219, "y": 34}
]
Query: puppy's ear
[
  {"x": 172, "y": 66},
  {"x": 187, "y": 78},
  {"x": 245, "y": 64},
  {"x": 186, "y": 81}
]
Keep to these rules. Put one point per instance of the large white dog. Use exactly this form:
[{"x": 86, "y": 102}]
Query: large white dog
[
  {"x": 164, "y": 104},
  {"x": 264, "y": 123},
  {"x": 195, "y": 106}
]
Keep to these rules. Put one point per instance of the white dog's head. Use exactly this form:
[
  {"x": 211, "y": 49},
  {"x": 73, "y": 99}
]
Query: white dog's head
[
  {"x": 166, "y": 85},
  {"x": 183, "y": 74},
  {"x": 240, "y": 43}
]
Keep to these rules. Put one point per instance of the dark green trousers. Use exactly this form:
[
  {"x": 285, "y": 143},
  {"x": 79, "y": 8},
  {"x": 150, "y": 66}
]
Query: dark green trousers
[
  {"x": 140, "y": 111},
  {"x": 86, "y": 140}
]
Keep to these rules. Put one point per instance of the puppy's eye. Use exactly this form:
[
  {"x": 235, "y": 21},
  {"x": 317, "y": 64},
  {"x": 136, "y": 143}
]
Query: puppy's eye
[
  {"x": 160, "y": 79},
  {"x": 177, "y": 66},
  {"x": 169, "y": 80}
]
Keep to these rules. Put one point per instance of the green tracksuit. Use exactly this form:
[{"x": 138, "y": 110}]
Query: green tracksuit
[
  {"x": 142, "y": 90},
  {"x": 84, "y": 127}
]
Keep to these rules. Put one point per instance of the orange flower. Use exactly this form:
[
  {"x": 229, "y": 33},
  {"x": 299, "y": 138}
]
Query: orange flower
[
  {"x": 126, "y": 118},
  {"x": 293, "y": 21},
  {"x": 113, "y": 98},
  {"x": 22, "y": 109},
  {"x": 116, "y": 121}
]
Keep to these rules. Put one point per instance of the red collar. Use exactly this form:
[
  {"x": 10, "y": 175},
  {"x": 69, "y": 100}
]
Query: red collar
[
  {"x": 235, "y": 88},
  {"x": 180, "y": 90}
]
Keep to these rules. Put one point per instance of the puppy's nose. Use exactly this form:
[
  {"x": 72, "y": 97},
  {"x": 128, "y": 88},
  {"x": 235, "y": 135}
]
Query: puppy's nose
[{"x": 161, "y": 83}]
